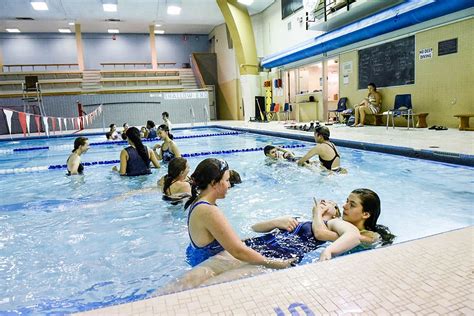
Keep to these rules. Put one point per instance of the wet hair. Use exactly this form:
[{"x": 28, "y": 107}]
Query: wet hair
[
  {"x": 78, "y": 142},
  {"x": 124, "y": 124},
  {"x": 150, "y": 124},
  {"x": 133, "y": 134},
  {"x": 111, "y": 125},
  {"x": 267, "y": 149},
  {"x": 323, "y": 131},
  {"x": 373, "y": 85},
  {"x": 166, "y": 129},
  {"x": 208, "y": 171},
  {"x": 234, "y": 178},
  {"x": 175, "y": 167},
  {"x": 108, "y": 135},
  {"x": 371, "y": 203},
  {"x": 165, "y": 114}
]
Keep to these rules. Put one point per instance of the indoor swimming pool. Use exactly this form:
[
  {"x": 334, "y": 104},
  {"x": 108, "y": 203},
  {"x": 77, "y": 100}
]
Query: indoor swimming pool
[{"x": 70, "y": 244}]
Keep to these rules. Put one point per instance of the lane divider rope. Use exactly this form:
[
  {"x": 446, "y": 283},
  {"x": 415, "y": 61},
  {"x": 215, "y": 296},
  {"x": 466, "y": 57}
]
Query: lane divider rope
[
  {"x": 122, "y": 142},
  {"x": 108, "y": 162}
]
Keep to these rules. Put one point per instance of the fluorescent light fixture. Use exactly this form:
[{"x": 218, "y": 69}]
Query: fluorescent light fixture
[
  {"x": 13, "y": 30},
  {"x": 39, "y": 5},
  {"x": 157, "y": 25},
  {"x": 174, "y": 10},
  {"x": 64, "y": 30},
  {"x": 245, "y": 2},
  {"x": 109, "y": 7},
  {"x": 159, "y": 32},
  {"x": 113, "y": 31},
  {"x": 71, "y": 23}
]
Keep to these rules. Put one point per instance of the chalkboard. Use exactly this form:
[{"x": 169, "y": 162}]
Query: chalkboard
[{"x": 389, "y": 64}]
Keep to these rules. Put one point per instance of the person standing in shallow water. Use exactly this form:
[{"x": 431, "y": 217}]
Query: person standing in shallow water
[{"x": 74, "y": 165}]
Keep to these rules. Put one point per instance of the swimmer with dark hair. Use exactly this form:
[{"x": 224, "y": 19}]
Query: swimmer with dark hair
[
  {"x": 168, "y": 150},
  {"x": 135, "y": 159},
  {"x": 234, "y": 178},
  {"x": 276, "y": 153},
  {"x": 74, "y": 165},
  {"x": 175, "y": 184}
]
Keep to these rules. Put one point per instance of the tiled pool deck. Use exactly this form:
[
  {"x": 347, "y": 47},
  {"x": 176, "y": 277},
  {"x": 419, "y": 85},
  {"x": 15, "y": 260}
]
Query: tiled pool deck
[{"x": 428, "y": 276}]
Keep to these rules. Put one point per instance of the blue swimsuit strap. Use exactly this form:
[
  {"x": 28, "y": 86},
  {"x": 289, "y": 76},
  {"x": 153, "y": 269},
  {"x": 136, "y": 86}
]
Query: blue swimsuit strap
[{"x": 189, "y": 216}]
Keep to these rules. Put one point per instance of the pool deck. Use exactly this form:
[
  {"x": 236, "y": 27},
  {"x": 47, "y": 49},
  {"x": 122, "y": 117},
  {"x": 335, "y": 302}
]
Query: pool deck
[{"x": 427, "y": 276}]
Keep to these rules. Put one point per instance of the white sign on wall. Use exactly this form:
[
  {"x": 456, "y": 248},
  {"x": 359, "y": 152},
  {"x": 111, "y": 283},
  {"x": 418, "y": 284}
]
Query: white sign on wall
[
  {"x": 185, "y": 95},
  {"x": 426, "y": 53},
  {"x": 347, "y": 68}
]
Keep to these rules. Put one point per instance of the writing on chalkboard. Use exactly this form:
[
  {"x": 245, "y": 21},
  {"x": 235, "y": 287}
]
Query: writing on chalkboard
[{"x": 389, "y": 64}]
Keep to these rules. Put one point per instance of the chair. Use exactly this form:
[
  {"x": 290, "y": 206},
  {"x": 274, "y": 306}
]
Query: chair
[
  {"x": 341, "y": 106},
  {"x": 31, "y": 83},
  {"x": 402, "y": 107}
]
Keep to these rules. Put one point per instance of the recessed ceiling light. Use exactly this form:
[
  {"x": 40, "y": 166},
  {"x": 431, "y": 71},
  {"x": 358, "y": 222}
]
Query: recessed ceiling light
[
  {"x": 108, "y": 7},
  {"x": 157, "y": 25},
  {"x": 39, "y": 5},
  {"x": 13, "y": 30},
  {"x": 115, "y": 31},
  {"x": 64, "y": 30},
  {"x": 159, "y": 32},
  {"x": 174, "y": 10},
  {"x": 71, "y": 23},
  {"x": 246, "y": 2}
]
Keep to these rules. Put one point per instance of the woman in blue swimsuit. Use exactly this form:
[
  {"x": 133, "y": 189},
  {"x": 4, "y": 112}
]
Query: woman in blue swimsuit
[{"x": 169, "y": 149}]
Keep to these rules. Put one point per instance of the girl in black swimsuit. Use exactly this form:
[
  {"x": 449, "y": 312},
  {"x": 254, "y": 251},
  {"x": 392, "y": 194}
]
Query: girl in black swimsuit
[
  {"x": 74, "y": 165},
  {"x": 321, "y": 136}
]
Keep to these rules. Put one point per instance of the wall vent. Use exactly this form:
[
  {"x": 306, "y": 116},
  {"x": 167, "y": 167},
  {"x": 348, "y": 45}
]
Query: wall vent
[{"x": 289, "y": 26}]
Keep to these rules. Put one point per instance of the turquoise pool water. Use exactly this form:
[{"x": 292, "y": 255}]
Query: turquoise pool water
[{"x": 75, "y": 243}]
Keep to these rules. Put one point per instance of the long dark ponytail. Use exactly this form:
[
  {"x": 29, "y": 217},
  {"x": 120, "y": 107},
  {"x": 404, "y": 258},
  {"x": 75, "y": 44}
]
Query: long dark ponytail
[
  {"x": 166, "y": 129},
  {"x": 371, "y": 203},
  {"x": 175, "y": 167},
  {"x": 209, "y": 170},
  {"x": 133, "y": 134}
]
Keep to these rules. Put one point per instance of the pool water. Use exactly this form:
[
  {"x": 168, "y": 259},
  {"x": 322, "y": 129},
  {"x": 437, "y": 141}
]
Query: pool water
[{"x": 69, "y": 244}]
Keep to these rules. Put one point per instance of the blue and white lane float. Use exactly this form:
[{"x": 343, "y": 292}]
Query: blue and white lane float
[
  {"x": 62, "y": 147},
  {"x": 108, "y": 162}
]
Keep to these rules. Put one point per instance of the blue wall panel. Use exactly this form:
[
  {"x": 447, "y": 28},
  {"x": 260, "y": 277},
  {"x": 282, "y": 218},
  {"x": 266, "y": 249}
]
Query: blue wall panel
[
  {"x": 38, "y": 48},
  {"x": 102, "y": 48},
  {"x": 98, "y": 48},
  {"x": 177, "y": 48}
]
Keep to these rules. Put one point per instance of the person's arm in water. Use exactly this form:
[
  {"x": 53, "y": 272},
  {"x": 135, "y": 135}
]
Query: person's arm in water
[
  {"x": 153, "y": 158},
  {"x": 287, "y": 223},
  {"x": 313, "y": 152},
  {"x": 218, "y": 226},
  {"x": 349, "y": 238},
  {"x": 157, "y": 154},
  {"x": 73, "y": 164},
  {"x": 122, "y": 170}
]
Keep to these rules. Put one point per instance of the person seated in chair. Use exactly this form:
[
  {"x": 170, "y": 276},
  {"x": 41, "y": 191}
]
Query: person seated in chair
[{"x": 370, "y": 105}]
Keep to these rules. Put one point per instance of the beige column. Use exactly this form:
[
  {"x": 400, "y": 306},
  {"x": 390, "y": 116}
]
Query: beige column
[
  {"x": 240, "y": 28},
  {"x": 154, "y": 59},
  {"x": 1, "y": 60},
  {"x": 79, "y": 48},
  {"x": 323, "y": 116}
]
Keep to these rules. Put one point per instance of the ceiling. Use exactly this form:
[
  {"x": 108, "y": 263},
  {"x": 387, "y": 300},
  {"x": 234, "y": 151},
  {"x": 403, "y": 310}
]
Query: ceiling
[{"x": 197, "y": 16}]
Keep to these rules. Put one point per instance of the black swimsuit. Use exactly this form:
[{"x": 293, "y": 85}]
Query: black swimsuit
[
  {"x": 80, "y": 168},
  {"x": 328, "y": 163}
]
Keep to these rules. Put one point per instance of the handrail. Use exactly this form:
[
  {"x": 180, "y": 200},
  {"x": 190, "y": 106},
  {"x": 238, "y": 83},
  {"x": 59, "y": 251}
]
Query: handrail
[
  {"x": 134, "y": 64},
  {"x": 197, "y": 72},
  {"x": 38, "y": 65}
]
